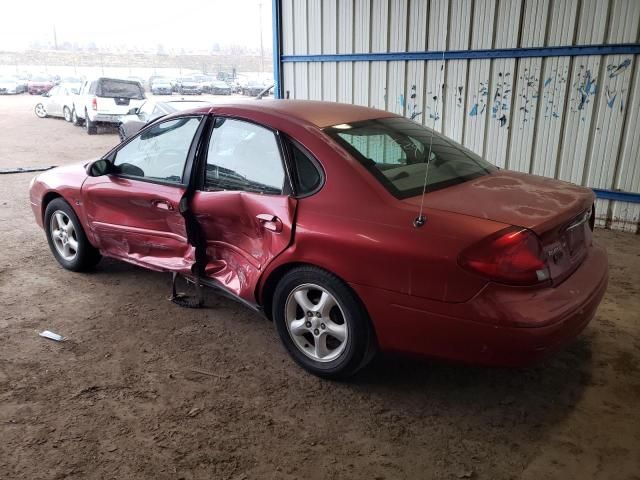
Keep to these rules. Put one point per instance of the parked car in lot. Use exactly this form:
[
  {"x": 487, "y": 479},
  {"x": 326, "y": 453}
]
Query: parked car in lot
[
  {"x": 151, "y": 110},
  {"x": 161, "y": 86},
  {"x": 105, "y": 101},
  {"x": 188, "y": 86},
  {"x": 140, "y": 80},
  {"x": 218, "y": 87},
  {"x": 74, "y": 84},
  {"x": 39, "y": 84},
  {"x": 11, "y": 86},
  {"x": 253, "y": 88},
  {"x": 314, "y": 213},
  {"x": 57, "y": 102}
]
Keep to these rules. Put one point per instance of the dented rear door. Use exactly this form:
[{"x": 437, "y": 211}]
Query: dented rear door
[{"x": 244, "y": 207}]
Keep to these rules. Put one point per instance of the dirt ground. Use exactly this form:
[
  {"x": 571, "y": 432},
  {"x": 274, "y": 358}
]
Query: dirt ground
[{"x": 145, "y": 389}]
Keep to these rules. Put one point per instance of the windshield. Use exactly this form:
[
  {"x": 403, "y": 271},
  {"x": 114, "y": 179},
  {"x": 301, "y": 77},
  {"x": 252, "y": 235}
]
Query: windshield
[
  {"x": 395, "y": 151},
  {"x": 39, "y": 79},
  {"x": 120, "y": 89}
]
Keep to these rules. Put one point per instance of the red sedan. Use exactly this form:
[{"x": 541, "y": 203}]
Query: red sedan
[{"x": 351, "y": 228}]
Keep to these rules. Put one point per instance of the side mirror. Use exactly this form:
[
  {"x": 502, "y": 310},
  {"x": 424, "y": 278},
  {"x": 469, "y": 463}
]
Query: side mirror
[
  {"x": 99, "y": 168},
  {"x": 133, "y": 111}
]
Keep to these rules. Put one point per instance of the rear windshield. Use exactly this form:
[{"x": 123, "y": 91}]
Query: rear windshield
[
  {"x": 400, "y": 153},
  {"x": 120, "y": 89}
]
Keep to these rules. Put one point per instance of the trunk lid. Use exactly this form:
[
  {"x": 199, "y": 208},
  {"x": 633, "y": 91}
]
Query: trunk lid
[{"x": 558, "y": 212}]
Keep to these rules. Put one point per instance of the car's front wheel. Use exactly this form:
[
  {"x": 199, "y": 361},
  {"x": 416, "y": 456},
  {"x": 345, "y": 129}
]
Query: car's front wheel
[
  {"x": 67, "y": 239},
  {"x": 67, "y": 114},
  {"x": 321, "y": 323},
  {"x": 40, "y": 111}
]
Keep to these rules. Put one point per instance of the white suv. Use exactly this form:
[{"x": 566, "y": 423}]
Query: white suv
[{"x": 105, "y": 101}]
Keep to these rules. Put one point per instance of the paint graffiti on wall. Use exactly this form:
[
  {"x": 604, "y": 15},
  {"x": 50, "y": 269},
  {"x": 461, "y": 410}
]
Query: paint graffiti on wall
[
  {"x": 553, "y": 92},
  {"x": 413, "y": 108},
  {"x": 479, "y": 104},
  {"x": 459, "y": 90},
  {"x": 615, "y": 70},
  {"x": 586, "y": 88},
  {"x": 528, "y": 94},
  {"x": 501, "y": 97},
  {"x": 613, "y": 96},
  {"x": 432, "y": 97}
]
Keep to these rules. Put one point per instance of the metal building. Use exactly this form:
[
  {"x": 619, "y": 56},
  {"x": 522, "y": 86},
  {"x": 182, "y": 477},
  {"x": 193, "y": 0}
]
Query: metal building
[{"x": 550, "y": 87}]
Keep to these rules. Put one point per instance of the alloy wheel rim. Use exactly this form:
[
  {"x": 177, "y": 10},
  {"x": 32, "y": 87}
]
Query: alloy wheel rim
[
  {"x": 64, "y": 236},
  {"x": 67, "y": 115},
  {"x": 40, "y": 111},
  {"x": 316, "y": 322}
]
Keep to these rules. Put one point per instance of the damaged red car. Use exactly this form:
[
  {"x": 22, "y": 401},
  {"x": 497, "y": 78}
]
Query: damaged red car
[{"x": 355, "y": 230}]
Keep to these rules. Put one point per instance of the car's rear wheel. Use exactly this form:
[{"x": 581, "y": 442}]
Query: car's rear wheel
[
  {"x": 321, "y": 323},
  {"x": 67, "y": 114},
  {"x": 77, "y": 121},
  {"x": 67, "y": 239},
  {"x": 121, "y": 133},
  {"x": 40, "y": 111},
  {"x": 91, "y": 127}
]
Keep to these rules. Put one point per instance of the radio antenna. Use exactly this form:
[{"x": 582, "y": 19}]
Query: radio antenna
[{"x": 420, "y": 220}]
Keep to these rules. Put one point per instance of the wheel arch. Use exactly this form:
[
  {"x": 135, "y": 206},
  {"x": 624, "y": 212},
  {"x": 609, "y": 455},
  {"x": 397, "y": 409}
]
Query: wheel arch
[
  {"x": 267, "y": 287},
  {"x": 47, "y": 199}
]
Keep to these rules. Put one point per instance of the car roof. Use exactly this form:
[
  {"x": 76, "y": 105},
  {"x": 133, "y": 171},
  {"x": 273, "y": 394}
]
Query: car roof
[{"x": 320, "y": 114}]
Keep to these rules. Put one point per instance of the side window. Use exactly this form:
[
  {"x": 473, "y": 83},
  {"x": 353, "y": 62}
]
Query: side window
[
  {"x": 308, "y": 176},
  {"x": 160, "y": 152},
  {"x": 243, "y": 156}
]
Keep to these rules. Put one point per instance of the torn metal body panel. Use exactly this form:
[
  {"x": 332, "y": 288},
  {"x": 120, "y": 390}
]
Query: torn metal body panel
[
  {"x": 241, "y": 243},
  {"x": 139, "y": 222}
]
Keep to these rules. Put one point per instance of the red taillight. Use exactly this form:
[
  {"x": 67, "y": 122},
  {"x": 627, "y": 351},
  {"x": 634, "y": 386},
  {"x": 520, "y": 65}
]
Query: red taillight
[
  {"x": 513, "y": 256},
  {"x": 94, "y": 103}
]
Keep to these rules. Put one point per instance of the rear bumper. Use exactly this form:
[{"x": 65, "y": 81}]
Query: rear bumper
[
  {"x": 105, "y": 118},
  {"x": 500, "y": 326}
]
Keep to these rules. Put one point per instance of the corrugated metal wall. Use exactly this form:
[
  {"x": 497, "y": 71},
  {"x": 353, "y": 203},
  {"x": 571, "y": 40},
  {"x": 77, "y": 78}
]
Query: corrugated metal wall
[{"x": 569, "y": 117}]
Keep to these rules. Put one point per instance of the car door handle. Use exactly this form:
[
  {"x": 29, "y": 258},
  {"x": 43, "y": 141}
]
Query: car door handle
[
  {"x": 162, "y": 205},
  {"x": 270, "y": 222}
]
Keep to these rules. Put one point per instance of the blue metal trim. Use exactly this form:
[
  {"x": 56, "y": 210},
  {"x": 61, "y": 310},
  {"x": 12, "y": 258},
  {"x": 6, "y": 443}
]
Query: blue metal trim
[
  {"x": 616, "y": 49},
  {"x": 616, "y": 195},
  {"x": 277, "y": 52}
]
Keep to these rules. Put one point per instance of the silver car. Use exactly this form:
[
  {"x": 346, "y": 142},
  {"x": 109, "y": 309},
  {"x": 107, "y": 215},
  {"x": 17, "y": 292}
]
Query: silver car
[
  {"x": 11, "y": 86},
  {"x": 57, "y": 102},
  {"x": 151, "y": 110}
]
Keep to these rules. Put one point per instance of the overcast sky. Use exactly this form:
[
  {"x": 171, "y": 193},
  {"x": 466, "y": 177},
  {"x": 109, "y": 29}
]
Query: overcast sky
[{"x": 132, "y": 22}]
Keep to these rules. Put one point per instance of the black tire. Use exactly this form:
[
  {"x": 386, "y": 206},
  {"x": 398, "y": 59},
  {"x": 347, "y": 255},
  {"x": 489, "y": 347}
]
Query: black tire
[
  {"x": 359, "y": 346},
  {"x": 91, "y": 127},
  {"x": 87, "y": 256},
  {"x": 75, "y": 119},
  {"x": 40, "y": 111},
  {"x": 121, "y": 133}
]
